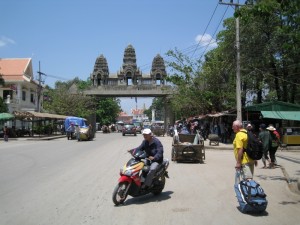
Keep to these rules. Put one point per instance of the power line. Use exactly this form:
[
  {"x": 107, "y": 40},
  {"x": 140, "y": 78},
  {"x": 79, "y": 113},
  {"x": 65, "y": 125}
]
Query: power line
[
  {"x": 205, "y": 30},
  {"x": 193, "y": 48},
  {"x": 214, "y": 33}
]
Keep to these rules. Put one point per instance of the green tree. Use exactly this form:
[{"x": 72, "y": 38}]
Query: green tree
[
  {"x": 183, "y": 76},
  {"x": 200, "y": 87},
  {"x": 67, "y": 98},
  {"x": 270, "y": 49},
  {"x": 107, "y": 110},
  {"x": 62, "y": 101},
  {"x": 158, "y": 106}
]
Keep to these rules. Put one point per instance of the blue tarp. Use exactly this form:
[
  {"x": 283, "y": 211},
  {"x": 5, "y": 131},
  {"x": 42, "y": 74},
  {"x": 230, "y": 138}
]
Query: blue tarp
[{"x": 75, "y": 120}]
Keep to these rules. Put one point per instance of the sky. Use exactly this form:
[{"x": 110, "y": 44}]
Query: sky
[{"x": 65, "y": 37}]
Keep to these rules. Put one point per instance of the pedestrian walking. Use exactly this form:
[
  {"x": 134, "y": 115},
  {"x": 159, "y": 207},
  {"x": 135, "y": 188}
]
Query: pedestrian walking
[
  {"x": 70, "y": 131},
  {"x": 223, "y": 132},
  {"x": 5, "y": 133},
  {"x": 244, "y": 164},
  {"x": 273, "y": 145},
  {"x": 77, "y": 131},
  {"x": 264, "y": 136}
]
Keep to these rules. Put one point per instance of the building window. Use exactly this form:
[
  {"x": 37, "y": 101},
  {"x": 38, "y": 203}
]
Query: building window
[
  {"x": 32, "y": 98},
  {"x": 6, "y": 93},
  {"x": 24, "y": 95}
]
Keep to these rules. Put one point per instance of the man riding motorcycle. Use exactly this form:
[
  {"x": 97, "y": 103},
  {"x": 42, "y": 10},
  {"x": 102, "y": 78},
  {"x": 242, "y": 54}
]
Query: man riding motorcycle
[{"x": 155, "y": 151}]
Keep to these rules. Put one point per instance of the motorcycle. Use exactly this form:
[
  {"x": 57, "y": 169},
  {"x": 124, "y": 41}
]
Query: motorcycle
[
  {"x": 132, "y": 177},
  {"x": 171, "y": 132}
]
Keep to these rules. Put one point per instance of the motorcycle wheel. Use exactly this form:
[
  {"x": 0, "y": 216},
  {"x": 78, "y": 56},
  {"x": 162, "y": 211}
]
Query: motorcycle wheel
[
  {"x": 160, "y": 186},
  {"x": 119, "y": 195}
]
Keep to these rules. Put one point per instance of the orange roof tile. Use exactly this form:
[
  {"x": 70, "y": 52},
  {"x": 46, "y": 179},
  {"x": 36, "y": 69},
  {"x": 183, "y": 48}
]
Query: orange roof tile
[
  {"x": 137, "y": 111},
  {"x": 123, "y": 114},
  {"x": 14, "y": 69}
]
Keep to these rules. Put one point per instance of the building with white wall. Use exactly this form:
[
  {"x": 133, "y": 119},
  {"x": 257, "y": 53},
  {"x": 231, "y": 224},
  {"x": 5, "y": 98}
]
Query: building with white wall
[{"x": 20, "y": 91}]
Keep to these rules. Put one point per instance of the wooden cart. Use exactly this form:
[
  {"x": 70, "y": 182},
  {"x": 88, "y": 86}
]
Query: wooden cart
[{"x": 188, "y": 148}]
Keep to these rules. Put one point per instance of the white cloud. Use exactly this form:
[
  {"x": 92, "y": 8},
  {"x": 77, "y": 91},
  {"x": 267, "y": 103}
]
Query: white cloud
[
  {"x": 5, "y": 41},
  {"x": 205, "y": 40}
]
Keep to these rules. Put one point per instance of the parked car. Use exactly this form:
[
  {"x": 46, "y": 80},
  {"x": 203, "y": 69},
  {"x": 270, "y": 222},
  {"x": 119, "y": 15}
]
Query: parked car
[{"x": 129, "y": 129}]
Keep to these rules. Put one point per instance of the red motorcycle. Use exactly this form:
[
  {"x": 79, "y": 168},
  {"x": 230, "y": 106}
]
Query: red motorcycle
[{"x": 133, "y": 175}]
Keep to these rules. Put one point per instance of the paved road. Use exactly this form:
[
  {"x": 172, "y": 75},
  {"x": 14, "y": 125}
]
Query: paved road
[{"x": 68, "y": 182}]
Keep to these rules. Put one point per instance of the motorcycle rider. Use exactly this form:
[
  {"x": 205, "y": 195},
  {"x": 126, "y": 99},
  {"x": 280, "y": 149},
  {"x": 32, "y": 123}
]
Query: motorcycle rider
[{"x": 155, "y": 151}]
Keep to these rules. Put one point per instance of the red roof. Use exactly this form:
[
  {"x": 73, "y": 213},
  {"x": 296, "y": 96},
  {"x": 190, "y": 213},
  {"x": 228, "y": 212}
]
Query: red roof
[
  {"x": 123, "y": 114},
  {"x": 16, "y": 69}
]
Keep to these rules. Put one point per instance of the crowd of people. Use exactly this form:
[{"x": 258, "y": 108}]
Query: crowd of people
[
  {"x": 270, "y": 139},
  {"x": 205, "y": 128}
]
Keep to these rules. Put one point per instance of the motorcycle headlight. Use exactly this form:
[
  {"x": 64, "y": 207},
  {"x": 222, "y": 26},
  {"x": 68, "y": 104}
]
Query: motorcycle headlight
[{"x": 128, "y": 173}]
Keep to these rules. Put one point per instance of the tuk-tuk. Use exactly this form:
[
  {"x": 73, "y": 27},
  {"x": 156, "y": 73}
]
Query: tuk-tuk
[
  {"x": 120, "y": 125},
  {"x": 158, "y": 128},
  {"x": 71, "y": 122}
]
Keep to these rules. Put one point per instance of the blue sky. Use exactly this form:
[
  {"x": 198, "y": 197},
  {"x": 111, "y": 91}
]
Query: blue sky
[{"x": 66, "y": 36}]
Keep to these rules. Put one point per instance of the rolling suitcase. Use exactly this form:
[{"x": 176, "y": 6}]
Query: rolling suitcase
[{"x": 251, "y": 196}]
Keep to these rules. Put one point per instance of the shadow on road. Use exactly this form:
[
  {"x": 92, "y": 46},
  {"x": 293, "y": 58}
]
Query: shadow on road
[
  {"x": 258, "y": 214},
  {"x": 149, "y": 198}
]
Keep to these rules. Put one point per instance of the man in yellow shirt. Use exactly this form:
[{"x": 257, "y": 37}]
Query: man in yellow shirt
[{"x": 243, "y": 162}]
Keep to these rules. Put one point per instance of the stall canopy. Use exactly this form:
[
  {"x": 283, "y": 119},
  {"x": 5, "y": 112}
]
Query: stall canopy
[
  {"x": 30, "y": 115},
  {"x": 273, "y": 106},
  {"x": 277, "y": 110},
  {"x": 283, "y": 115}
]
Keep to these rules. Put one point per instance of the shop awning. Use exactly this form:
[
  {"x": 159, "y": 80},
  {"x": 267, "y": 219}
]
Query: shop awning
[
  {"x": 30, "y": 115},
  {"x": 282, "y": 115}
]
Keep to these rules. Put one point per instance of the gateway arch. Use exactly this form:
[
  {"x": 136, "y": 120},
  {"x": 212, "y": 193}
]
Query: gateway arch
[{"x": 129, "y": 81}]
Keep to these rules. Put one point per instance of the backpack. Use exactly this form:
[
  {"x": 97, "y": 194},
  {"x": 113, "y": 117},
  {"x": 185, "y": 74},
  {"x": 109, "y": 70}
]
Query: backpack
[
  {"x": 254, "y": 147},
  {"x": 275, "y": 139}
]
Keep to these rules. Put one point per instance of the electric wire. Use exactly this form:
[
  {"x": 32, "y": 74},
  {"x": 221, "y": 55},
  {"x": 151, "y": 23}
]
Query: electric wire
[
  {"x": 205, "y": 30},
  {"x": 193, "y": 48},
  {"x": 214, "y": 32}
]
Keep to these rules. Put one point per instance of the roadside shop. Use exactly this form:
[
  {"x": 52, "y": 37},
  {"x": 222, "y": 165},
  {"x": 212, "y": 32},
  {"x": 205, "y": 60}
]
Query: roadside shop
[{"x": 284, "y": 116}]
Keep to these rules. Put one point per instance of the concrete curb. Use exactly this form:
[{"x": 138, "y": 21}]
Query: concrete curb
[
  {"x": 46, "y": 138},
  {"x": 294, "y": 185}
]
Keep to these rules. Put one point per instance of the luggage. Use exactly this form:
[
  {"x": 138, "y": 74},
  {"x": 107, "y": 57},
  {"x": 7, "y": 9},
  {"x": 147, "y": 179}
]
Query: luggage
[{"x": 251, "y": 196}]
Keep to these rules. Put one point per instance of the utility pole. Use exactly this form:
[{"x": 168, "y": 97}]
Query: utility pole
[
  {"x": 238, "y": 59},
  {"x": 39, "y": 91}
]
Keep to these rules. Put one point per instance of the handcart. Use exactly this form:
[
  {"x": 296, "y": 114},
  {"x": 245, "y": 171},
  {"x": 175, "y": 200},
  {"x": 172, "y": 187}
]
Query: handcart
[{"x": 188, "y": 148}]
